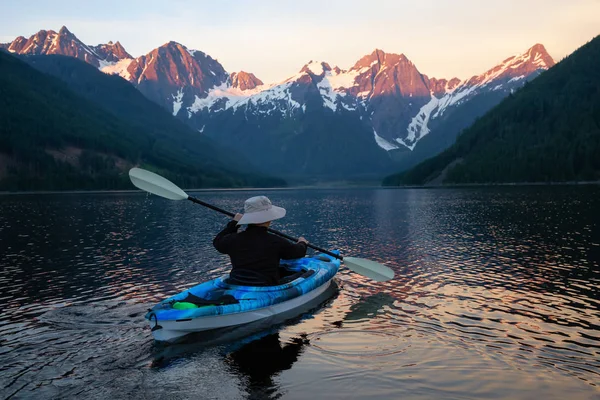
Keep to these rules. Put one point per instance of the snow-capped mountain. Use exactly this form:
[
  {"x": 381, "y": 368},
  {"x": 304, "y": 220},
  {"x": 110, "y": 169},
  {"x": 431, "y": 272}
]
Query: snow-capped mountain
[
  {"x": 111, "y": 52},
  {"x": 388, "y": 92},
  {"x": 65, "y": 43},
  {"x": 172, "y": 75},
  {"x": 505, "y": 77},
  {"x": 382, "y": 105}
]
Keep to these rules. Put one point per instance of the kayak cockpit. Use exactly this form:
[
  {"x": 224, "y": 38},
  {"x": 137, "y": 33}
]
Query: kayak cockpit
[{"x": 218, "y": 303}]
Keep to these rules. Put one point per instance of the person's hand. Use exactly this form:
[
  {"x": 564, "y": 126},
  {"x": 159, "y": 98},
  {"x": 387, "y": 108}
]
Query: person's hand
[
  {"x": 237, "y": 217},
  {"x": 302, "y": 240}
]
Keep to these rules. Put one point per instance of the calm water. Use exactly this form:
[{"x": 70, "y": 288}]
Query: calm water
[{"x": 496, "y": 296}]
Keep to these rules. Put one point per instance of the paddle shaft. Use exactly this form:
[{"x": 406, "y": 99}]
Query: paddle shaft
[{"x": 202, "y": 203}]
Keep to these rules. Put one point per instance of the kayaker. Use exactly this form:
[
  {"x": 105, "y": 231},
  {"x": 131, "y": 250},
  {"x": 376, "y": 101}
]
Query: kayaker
[{"x": 255, "y": 253}]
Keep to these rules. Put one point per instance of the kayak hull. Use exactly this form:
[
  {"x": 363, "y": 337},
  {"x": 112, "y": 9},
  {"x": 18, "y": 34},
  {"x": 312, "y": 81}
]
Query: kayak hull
[
  {"x": 174, "y": 330},
  {"x": 254, "y": 304}
]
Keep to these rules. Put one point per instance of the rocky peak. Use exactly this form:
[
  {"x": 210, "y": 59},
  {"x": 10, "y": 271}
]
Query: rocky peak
[
  {"x": 111, "y": 52},
  {"x": 389, "y": 75},
  {"x": 369, "y": 60},
  {"x": 316, "y": 67},
  {"x": 65, "y": 43},
  {"x": 172, "y": 71},
  {"x": 244, "y": 80},
  {"x": 64, "y": 31},
  {"x": 119, "y": 50},
  {"x": 50, "y": 42},
  {"x": 540, "y": 57},
  {"x": 516, "y": 67},
  {"x": 379, "y": 58},
  {"x": 439, "y": 87}
]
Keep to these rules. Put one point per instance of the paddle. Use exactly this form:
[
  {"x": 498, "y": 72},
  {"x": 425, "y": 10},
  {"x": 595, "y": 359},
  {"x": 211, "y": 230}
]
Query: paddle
[{"x": 156, "y": 184}]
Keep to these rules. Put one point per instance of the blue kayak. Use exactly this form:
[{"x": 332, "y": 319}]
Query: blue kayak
[{"x": 217, "y": 304}]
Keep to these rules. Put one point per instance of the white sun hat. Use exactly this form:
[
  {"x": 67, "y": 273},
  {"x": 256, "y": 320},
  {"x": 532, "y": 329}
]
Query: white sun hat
[{"x": 259, "y": 209}]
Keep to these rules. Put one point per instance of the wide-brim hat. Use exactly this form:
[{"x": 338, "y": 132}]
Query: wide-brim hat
[{"x": 259, "y": 209}]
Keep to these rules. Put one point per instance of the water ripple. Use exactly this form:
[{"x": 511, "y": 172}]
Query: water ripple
[{"x": 496, "y": 295}]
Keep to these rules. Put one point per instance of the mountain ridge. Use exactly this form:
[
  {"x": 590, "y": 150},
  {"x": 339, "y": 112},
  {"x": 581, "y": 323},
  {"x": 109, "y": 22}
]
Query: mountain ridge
[
  {"x": 549, "y": 131},
  {"x": 54, "y": 138},
  {"x": 394, "y": 103}
]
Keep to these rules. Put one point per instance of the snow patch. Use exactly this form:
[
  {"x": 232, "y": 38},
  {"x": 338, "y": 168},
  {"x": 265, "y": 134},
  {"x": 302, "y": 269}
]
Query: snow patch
[
  {"x": 333, "y": 85},
  {"x": 418, "y": 128},
  {"x": 384, "y": 144},
  {"x": 104, "y": 64},
  {"x": 202, "y": 129},
  {"x": 178, "y": 100},
  {"x": 342, "y": 80},
  {"x": 119, "y": 68},
  {"x": 516, "y": 78},
  {"x": 315, "y": 67},
  {"x": 327, "y": 94},
  {"x": 409, "y": 146},
  {"x": 454, "y": 97},
  {"x": 277, "y": 97}
]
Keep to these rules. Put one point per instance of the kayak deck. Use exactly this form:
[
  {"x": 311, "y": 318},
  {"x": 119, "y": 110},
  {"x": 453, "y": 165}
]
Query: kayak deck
[{"x": 223, "y": 304}]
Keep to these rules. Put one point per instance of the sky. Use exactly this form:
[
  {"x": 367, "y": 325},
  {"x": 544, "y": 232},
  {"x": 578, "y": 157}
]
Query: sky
[{"x": 275, "y": 38}]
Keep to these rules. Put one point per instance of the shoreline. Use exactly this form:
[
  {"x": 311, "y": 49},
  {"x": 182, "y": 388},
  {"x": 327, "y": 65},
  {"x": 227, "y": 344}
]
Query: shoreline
[
  {"x": 308, "y": 187},
  {"x": 470, "y": 185},
  {"x": 134, "y": 191}
]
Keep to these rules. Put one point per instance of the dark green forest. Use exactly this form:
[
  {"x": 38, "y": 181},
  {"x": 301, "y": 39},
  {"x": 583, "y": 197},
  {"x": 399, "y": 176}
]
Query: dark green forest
[
  {"x": 52, "y": 138},
  {"x": 548, "y": 131}
]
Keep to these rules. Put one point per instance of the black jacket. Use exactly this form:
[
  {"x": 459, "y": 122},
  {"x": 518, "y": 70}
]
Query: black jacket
[{"x": 255, "y": 253}]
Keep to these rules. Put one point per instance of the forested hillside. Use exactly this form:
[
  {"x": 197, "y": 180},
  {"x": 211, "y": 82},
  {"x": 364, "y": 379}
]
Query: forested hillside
[{"x": 52, "y": 138}]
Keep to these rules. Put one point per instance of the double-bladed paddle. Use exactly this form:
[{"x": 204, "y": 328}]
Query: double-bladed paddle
[{"x": 156, "y": 184}]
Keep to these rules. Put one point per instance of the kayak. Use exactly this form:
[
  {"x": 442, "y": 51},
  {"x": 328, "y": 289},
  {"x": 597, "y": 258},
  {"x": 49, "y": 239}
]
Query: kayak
[{"x": 217, "y": 304}]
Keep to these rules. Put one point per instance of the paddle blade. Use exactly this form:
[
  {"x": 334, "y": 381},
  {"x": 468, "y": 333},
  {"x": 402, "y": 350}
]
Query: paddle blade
[
  {"x": 156, "y": 184},
  {"x": 370, "y": 269}
]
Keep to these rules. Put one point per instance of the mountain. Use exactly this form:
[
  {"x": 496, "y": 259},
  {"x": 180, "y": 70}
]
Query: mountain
[
  {"x": 111, "y": 52},
  {"x": 388, "y": 103},
  {"x": 287, "y": 128},
  {"x": 244, "y": 80},
  {"x": 380, "y": 115},
  {"x": 65, "y": 43},
  {"x": 52, "y": 138},
  {"x": 162, "y": 74},
  {"x": 548, "y": 131},
  {"x": 122, "y": 100}
]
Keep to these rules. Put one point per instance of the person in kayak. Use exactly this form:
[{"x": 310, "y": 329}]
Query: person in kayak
[{"x": 254, "y": 252}]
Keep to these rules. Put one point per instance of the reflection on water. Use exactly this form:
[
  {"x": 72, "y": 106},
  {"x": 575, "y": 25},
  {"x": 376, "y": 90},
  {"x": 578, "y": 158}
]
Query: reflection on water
[
  {"x": 260, "y": 361},
  {"x": 496, "y": 295}
]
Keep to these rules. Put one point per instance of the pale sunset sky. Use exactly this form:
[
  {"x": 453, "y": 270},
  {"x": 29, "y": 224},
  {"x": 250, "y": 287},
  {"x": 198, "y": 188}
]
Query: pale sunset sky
[{"x": 275, "y": 38}]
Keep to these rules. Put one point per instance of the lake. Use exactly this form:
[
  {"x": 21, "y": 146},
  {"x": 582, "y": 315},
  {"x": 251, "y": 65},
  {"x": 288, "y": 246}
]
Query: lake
[{"x": 496, "y": 296}]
